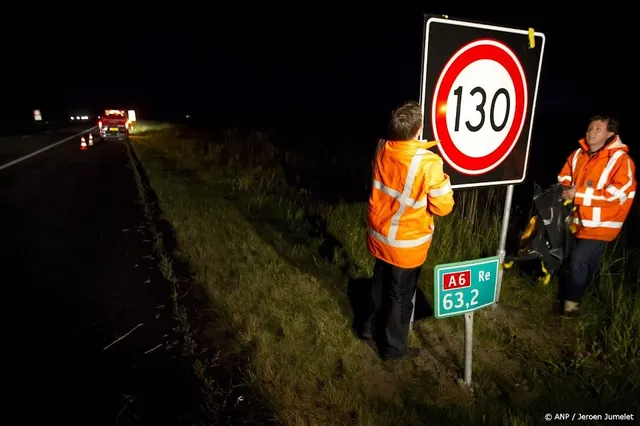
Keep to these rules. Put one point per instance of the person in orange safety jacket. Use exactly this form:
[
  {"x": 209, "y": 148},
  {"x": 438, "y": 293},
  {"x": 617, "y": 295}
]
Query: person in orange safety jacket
[
  {"x": 600, "y": 179},
  {"x": 409, "y": 188}
]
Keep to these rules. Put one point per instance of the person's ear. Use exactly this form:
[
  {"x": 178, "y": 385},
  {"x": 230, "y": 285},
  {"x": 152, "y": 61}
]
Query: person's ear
[{"x": 417, "y": 135}]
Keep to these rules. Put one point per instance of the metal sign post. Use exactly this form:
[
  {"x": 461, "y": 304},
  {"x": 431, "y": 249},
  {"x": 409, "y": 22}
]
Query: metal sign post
[{"x": 503, "y": 239}]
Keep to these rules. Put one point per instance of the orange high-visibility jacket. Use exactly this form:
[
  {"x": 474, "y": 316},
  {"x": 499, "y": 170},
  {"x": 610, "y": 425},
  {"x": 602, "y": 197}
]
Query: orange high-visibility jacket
[
  {"x": 605, "y": 188},
  {"x": 409, "y": 187}
]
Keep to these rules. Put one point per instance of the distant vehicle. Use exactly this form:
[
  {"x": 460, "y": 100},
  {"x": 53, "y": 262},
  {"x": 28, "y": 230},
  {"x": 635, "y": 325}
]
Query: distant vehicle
[
  {"x": 79, "y": 118},
  {"x": 114, "y": 124},
  {"x": 132, "y": 118}
]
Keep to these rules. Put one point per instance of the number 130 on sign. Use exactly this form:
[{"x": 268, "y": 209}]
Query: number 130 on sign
[{"x": 479, "y": 107}]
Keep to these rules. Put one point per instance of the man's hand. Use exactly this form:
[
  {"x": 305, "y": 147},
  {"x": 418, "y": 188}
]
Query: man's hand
[{"x": 569, "y": 194}]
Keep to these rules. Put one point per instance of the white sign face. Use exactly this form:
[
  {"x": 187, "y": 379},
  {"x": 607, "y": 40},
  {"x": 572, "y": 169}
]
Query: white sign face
[
  {"x": 480, "y": 106},
  {"x": 132, "y": 115},
  {"x": 36, "y": 115},
  {"x": 475, "y": 134}
]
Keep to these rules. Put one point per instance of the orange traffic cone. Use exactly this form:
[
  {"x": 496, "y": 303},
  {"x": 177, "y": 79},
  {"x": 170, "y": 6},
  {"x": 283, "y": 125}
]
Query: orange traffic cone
[
  {"x": 83, "y": 143},
  {"x": 90, "y": 139}
]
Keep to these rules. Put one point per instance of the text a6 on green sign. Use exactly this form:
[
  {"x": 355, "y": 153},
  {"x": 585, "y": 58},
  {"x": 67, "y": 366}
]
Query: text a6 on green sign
[{"x": 464, "y": 286}]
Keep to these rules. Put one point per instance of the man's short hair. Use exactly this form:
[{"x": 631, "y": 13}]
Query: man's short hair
[
  {"x": 613, "y": 125},
  {"x": 405, "y": 121}
]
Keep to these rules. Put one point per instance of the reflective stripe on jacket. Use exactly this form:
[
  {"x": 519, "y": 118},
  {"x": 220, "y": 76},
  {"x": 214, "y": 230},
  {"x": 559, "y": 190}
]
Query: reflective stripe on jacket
[
  {"x": 409, "y": 187},
  {"x": 605, "y": 188}
]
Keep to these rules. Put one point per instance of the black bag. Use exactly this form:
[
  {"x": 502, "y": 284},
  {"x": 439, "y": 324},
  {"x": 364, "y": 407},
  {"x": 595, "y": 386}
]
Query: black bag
[{"x": 550, "y": 234}]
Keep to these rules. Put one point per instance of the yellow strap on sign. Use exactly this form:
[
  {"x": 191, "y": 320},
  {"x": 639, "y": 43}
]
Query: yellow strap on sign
[{"x": 532, "y": 38}]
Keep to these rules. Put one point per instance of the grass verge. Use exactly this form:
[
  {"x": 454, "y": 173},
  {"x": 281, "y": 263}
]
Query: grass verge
[
  {"x": 227, "y": 398},
  {"x": 280, "y": 262}
]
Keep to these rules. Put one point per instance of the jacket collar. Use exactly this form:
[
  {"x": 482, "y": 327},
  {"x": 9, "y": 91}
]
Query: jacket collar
[
  {"x": 614, "y": 144},
  {"x": 415, "y": 143}
]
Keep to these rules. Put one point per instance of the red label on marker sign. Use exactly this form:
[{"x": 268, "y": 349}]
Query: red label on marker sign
[{"x": 454, "y": 280}]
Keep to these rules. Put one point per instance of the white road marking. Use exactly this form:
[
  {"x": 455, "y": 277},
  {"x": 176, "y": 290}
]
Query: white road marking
[{"x": 34, "y": 153}]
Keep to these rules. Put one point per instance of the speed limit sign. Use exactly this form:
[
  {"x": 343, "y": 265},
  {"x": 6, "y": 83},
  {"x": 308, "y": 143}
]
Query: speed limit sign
[{"x": 479, "y": 87}]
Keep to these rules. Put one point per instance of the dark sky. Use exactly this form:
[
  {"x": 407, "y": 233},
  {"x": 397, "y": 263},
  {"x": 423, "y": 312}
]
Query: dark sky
[{"x": 295, "y": 60}]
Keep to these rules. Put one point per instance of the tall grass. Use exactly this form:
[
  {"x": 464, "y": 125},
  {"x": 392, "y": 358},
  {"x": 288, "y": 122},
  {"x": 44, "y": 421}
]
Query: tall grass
[{"x": 277, "y": 236}]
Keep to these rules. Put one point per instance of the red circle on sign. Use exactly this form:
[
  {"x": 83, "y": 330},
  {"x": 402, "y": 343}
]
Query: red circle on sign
[{"x": 468, "y": 54}]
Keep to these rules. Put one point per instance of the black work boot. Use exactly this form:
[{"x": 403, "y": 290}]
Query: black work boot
[
  {"x": 410, "y": 354},
  {"x": 367, "y": 333},
  {"x": 571, "y": 309}
]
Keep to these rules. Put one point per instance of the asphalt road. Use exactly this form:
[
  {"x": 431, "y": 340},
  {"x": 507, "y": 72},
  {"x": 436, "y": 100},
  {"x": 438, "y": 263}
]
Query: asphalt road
[
  {"x": 15, "y": 147},
  {"x": 78, "y": 273}
]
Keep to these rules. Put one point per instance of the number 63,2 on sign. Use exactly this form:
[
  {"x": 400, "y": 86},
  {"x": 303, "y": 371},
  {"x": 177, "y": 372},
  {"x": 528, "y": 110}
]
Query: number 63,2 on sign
[{"x": 464, "y": 286}]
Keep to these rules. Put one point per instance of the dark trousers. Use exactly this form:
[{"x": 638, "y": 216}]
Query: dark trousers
[
  {"x": 581, "y": 268},
  {"x": 390, "y": 307}
]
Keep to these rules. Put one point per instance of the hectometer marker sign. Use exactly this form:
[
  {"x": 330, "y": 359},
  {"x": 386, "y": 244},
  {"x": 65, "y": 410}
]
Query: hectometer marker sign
[
  {"x": 463, "y": 287},
  {"x": 478, "y": 95}
]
